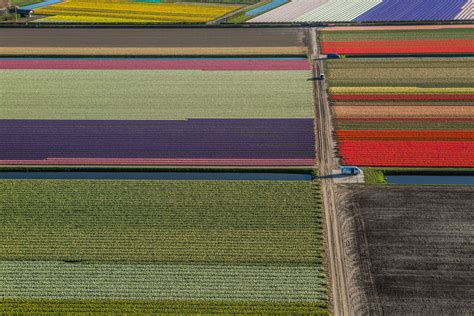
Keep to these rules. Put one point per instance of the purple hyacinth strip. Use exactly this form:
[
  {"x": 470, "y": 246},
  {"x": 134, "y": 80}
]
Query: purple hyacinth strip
[
  {"x": 413, "y": 10},
  {"x": 193, "y": 139}
]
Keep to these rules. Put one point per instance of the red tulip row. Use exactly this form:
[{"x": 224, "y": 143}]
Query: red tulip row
[
  {"x": 437, "y": 135},
  {"x": 412, "y": 119},
  {"x": 399, "y": 47},
  {"x": 403, "y": 97},
  {"x": 407, "y": 153}
]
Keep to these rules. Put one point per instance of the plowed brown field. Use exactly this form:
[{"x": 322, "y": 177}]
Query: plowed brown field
[
  {"x": 412, "y": 245},
  {"x": 150, "y": 41}
]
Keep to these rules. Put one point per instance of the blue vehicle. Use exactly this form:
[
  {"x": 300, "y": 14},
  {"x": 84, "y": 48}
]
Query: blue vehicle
[
  {"x": 350, "y": 170},
  {"x": 333, "y": 56}
]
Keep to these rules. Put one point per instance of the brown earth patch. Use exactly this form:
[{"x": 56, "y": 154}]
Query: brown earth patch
[{"x": 410, "y": 248}]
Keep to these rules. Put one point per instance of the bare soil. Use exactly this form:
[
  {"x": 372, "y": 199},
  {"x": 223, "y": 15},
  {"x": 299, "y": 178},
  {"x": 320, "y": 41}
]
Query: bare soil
[
  {"x": 410, "y": 248},
  {"x": 151, "y": 37}
]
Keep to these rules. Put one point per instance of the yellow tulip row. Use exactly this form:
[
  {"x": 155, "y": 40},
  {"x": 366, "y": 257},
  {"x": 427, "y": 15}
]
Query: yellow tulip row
[
  {"x": 90, "y": 16},
  {"x": 95, "y": 19},
  {"x": 129, "y": 11},
  {"x": 142, "y": 7}
]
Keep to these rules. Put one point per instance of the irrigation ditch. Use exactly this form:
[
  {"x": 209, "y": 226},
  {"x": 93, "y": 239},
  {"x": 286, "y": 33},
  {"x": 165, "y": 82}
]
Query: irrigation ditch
[
  {"x": 12, "y": 24},
  {"x": 107, "y": 175}
]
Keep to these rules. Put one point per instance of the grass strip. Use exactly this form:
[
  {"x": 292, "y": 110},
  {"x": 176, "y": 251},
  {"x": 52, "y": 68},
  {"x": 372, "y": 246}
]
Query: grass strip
[
  {"x": 422, "y": 171},
  {"x": 374, "y": 176}
]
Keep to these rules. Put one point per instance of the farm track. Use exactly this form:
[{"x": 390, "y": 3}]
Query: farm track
[{"x": 325, "y": 148}]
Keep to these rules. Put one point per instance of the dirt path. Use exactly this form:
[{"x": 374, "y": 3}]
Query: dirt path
[{"x": 325, "y": 149}]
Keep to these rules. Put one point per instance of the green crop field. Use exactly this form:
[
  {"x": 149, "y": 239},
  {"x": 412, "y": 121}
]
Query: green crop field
[
  {"x": 141, "y": 307},
  {"x": 400, "y": 125},
  {"x": 144, "y": 246},
  {"x": 399, "y": 72},
  {"x": 160, "y": 95},
  {"x": 21, "y": 3}
]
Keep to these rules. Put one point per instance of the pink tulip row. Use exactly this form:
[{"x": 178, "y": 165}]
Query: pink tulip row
[{"x": 158, "y": 64}]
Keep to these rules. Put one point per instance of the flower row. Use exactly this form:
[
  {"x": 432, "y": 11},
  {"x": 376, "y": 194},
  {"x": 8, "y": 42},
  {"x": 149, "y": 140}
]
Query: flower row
[
  {"x": 399, "y": 47},
  {"x": 407, "y": 153}
]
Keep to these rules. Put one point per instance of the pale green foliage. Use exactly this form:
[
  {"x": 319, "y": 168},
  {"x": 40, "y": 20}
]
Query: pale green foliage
[{"x": 154, "y": 95}]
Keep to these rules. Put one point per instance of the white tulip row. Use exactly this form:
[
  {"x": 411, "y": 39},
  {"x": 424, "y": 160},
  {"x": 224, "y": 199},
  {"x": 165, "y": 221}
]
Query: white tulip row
[
  {"x": 317, "y": 11},
  {"x": 467, "y": 12},
  {"x": 289, "y": 12}
]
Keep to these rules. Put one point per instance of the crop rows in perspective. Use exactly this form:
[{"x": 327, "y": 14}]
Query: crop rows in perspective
[
  {"x": 201, "y": 11},
  {"x": 399, "y": 41},
  {"x": 191, "y": 112},
  {"x": 416, "y": 241},
  {"x": 403, "y": 112},
  {"x": 127, "y": 11},
  {"x": 368, "y": 10},
  {"x": 176, "y": 246}
]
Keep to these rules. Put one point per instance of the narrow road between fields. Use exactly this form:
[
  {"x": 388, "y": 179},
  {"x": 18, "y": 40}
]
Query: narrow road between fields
[{"x": 337, "y": 275}]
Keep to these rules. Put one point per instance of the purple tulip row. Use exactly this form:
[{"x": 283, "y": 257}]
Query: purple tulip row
[{"x": 197, "y": 138}]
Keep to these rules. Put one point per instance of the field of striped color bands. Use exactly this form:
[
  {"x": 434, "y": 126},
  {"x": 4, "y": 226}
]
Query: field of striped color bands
[
  {"x": 368, "y": 11},
  {"x": 186, "y": 112},
  {"x": 403, "y": 112},
  {"x": 130, "y": 11},
  {"x": 377, "y": 41}
]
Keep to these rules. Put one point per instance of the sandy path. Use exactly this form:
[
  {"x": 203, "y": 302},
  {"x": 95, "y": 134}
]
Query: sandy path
[{"x": 325, "y": 148}]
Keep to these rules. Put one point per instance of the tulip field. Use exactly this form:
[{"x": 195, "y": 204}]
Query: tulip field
[
  {"x": 169, "y": 112},
  {"x": 128, "y": 11},
  {"x": 370, "y": 41},
  {"x": 75, "y": 246},
  {"x": 274, "y": 11},
  {"x": 403, "y": 112},
  {"x": 368, "y": 11}
]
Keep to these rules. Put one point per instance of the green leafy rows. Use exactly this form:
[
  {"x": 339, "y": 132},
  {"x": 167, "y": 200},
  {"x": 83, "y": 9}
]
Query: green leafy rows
[
  {"x": 163, "y": 221},
  {"x": 154, "y": 95},
  {"x": 143, "y": 307},
  {"x": 402, "y": 72},
  {"x": 219, "y": 244},
  {"x": 160, "y": 281},
  {"x": 399, "y": 125}
]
